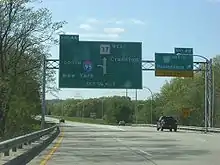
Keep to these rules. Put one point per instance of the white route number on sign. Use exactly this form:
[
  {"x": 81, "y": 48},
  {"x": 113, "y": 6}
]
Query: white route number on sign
[{"x": 105, "y": 49}]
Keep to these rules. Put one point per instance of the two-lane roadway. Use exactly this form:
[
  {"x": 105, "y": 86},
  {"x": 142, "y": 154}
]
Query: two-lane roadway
[{"x": 84, "y": 144}]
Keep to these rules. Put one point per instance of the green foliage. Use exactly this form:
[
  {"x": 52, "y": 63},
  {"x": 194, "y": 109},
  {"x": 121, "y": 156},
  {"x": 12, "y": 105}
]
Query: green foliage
[
  {"x": 25, "y": 37},
  {"x": 112, "y": 109}
]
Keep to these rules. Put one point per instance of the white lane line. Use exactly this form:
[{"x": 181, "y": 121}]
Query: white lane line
[
  {"x": 134, "y": 149},
  {"x": 201, "y": 139},
  {"x": 96, "y": 126}
]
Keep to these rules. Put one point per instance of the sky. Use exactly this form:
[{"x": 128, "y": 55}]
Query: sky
[{"x": 160, "y": 25}]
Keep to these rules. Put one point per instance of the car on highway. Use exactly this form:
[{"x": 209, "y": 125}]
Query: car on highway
[
  {"x": 121, "y": 123},
  {"x": 167, "y": 122},
  {"x": 62, "y": 120}
]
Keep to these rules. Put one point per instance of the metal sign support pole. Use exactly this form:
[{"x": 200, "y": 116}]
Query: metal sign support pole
[
  {"x": 151, "y": 104},
  {"x": 205, "y": 101},
  {"x": 209, "y": 78},
  {"x": 208, "y": 94},
  {"x": 136, "y": 108},
  {"x": 213, "y": 97},
  {"x": 43, "y": 94}
]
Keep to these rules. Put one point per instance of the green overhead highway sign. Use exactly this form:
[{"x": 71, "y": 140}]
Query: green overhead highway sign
[
  {"x": 170, "y": 64},
  {"x": 188, "y": 51},
  {"x": 99, "y": 64}
]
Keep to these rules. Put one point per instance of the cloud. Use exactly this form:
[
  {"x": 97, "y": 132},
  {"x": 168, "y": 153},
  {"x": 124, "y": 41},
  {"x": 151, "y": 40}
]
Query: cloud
[
  {"x": 93, "y": 21},
  {"x": 114, "y": 21},
  {"x": 92, "y": 36},
  {"x": 118, "y": 22},
  {"x": 114, "y": 30},
  {"x": 86, "y": 27},
  {"x": 102, "y": 31},
  {"x": 98, "y": 36},
  {"x": 126, "y": 21},
  {"x": 137, "y": 21},
  {"x": 106, "y": 21}
]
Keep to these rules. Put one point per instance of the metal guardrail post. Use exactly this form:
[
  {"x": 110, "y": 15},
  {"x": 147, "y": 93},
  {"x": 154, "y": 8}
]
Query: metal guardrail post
[
  {"x": 20, "y": 146},
  {"x": 6, "y": 153},
  {"x": 14, "y": 149}
]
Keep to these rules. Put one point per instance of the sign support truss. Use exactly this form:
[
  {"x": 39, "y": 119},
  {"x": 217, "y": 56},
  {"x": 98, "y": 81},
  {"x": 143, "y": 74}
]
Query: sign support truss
[{"x": 147, "y": 65}]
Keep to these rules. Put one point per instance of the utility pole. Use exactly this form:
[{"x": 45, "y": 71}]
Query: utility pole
[{"x": 151, "y": 104}]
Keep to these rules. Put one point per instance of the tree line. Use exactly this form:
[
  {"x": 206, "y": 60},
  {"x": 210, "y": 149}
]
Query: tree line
[
  {"x": 26, "y": 35},
  {"x": 176, "y": 97}
]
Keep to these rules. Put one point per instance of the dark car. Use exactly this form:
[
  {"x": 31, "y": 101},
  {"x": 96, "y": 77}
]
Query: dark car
[
  {"x": 62, "y": 121},
  {"x": 121, "y": 123},
  {"x": 167, "y": 122}
]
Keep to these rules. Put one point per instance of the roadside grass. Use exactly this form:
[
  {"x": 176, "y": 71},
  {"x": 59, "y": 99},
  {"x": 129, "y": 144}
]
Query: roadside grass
[
  {"x": 87, "y": 120},
  {"x": 83, "y": 120}
]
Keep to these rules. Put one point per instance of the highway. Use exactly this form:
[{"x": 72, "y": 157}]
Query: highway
[{"x": 83, "y": 144}]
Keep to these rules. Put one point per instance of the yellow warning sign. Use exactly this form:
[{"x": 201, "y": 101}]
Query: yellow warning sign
[{"x": 186, "y": 112}]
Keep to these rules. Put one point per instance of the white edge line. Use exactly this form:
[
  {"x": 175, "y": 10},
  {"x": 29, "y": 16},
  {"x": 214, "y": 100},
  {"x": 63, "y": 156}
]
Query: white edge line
[{"x": 144, "y": 152}]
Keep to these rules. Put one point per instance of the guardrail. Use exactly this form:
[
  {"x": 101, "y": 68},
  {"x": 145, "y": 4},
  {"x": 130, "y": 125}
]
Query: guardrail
[
  {"x": 18, "y": 142},
  {"x": 189, "y": 128}
]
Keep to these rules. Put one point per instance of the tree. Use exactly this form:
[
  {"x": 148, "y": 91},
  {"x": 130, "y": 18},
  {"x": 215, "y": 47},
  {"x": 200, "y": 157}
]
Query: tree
[{"x": 25, "y": 37}]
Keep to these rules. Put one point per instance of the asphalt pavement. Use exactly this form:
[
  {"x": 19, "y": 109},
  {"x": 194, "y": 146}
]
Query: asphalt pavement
[{"x": 84, "y": 144}]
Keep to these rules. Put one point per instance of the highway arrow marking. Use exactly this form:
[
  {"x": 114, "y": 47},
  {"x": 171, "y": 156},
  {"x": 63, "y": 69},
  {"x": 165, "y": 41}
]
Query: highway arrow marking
[{"x": 104, "y": 65}]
